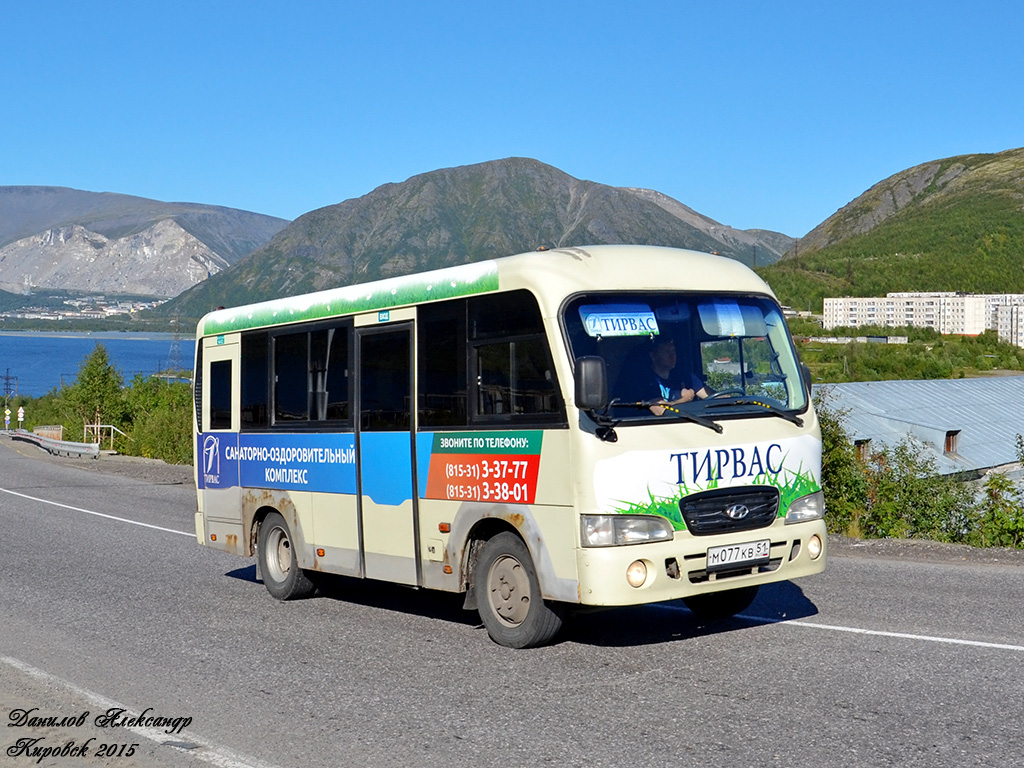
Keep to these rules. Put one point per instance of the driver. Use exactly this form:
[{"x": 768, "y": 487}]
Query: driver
[{"x": 657, "y": 382}]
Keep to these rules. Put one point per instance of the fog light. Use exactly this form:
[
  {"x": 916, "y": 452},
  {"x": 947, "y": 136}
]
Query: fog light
[
  {"x": 814, "y": 547},
  {"x": 636, "y": 574}
]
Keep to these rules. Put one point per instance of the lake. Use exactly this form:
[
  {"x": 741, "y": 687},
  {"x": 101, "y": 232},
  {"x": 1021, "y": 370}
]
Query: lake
[{"x": 43, "y": 360}]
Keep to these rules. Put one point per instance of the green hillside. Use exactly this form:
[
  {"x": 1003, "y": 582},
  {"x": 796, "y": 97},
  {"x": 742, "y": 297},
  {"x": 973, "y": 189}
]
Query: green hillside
[
  {"x": 954, "y": 225},
  {"x": 11, "y": 301}
]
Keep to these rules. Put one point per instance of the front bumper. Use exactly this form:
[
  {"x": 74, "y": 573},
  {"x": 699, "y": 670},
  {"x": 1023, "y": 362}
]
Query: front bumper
[{"x": 677, "y": 568}]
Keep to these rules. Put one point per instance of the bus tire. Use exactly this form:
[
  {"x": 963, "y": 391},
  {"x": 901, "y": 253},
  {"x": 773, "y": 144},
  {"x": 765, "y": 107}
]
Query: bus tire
[
  {"x": 716, "y": 606},
  {"x": 508, "y": 595},
  {"x": 278, "y": 562}
]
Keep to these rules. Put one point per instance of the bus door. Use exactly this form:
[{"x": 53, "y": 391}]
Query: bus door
[
  {"x": 387, "y": 503},
  {"x": 219, "y": 383}
]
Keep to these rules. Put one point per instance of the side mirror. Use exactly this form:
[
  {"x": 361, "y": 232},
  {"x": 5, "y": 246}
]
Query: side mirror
[{"x": 591, "y": 383}]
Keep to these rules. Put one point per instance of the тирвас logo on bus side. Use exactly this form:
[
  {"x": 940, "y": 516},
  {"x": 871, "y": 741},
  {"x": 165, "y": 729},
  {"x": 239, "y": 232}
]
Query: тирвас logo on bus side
[{"x": 211, "y": 459}]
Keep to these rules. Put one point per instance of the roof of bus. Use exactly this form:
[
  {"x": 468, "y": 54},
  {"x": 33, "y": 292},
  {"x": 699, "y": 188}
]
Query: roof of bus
[{"x": 551, "y": 275}]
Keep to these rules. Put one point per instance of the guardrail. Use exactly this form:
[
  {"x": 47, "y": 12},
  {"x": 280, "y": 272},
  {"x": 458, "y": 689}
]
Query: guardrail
[{"x": 56, "y": 447}]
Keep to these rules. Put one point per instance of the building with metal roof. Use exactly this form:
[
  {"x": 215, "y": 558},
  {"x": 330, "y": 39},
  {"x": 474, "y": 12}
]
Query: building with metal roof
[{"x": 966, "y": 425}]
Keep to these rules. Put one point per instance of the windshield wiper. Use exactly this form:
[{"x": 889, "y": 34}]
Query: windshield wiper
[
  {"x": 761, "y": 404},
  {"x": 646, "y": 405}
]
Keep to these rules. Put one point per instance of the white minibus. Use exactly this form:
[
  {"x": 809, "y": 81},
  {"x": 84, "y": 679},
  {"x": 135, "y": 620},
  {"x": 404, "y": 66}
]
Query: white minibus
[{"x": 601, "y": 426}]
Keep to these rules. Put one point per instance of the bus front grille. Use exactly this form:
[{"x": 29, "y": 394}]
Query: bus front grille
[{"x": 727, "y": 510}]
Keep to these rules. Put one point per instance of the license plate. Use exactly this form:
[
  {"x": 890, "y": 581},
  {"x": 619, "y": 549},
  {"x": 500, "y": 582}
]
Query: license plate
[{"x": 732, "y": 555}]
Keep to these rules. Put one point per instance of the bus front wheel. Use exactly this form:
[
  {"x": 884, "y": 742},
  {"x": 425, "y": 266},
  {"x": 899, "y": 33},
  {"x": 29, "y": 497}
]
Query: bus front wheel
[
  {"x": 508, "y": 595},
  {"x": 278, "y": 562},
  {"x": 715, "y": 606}
]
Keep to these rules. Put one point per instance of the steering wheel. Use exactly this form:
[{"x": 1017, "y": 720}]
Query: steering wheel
[{"x": 726, "y": 392}]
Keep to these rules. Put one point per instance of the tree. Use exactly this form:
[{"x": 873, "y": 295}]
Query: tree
[{"x": 96, "y": 393}]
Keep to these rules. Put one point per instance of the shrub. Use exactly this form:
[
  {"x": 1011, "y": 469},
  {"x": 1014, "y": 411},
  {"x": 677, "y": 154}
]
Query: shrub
[
  {"x": 842, "y": 475},
  {"x": 1000, "y": 522}
]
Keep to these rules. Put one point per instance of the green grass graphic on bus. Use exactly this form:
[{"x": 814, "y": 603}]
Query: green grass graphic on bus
[
  {"x": 791, "y": 485},
  {"x": 464, "y": 280}
]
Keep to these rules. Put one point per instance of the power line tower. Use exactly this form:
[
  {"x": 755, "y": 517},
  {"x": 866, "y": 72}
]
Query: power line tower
[{"x": 10, "y": 385}]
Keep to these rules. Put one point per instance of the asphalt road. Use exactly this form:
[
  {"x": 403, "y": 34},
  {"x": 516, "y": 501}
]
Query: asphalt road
[{"x": 898, "y": 655}]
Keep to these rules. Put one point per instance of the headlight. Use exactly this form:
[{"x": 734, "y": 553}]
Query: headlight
[
  {"x": 809, "y": 507},
  {"x": 617, "y": 530}
]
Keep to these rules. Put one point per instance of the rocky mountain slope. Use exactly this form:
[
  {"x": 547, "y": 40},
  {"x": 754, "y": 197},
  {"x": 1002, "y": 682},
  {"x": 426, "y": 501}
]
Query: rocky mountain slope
[
  {"x": 163, "y": 261},
  {"x": 67, "y": 239},
  {"x": 458, "y": 215}
]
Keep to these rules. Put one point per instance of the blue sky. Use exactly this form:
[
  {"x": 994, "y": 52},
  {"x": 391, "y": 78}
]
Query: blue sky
[{"x": 757, "y": 114}]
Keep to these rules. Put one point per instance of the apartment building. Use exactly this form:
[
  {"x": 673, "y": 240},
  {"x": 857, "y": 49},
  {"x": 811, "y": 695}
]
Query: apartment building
[
  {"x": 946, "y": 311},
  {"x": 1010, "y": 323}
]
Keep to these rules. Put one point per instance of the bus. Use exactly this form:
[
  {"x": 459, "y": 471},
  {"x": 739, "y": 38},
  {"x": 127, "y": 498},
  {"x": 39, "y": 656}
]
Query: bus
[{"x": 502, "y": 429}]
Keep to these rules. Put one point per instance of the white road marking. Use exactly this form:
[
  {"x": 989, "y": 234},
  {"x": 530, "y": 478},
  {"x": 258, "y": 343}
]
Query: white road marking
[
  {"x": 873, "y": 632},
  {"x": 208, "y": 752},
  {"x": 97, "y": 514},
  {"x": 881, "y": 633}
]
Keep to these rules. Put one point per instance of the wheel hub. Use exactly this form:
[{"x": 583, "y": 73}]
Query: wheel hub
[{"x": 509, "y": 588}]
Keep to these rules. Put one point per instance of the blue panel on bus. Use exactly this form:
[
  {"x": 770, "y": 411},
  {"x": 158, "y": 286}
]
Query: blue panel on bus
[
  {"x": 214, "y": 470},
  {"x": 324, "y": 463},
  {"x": 387, "y": 466}
]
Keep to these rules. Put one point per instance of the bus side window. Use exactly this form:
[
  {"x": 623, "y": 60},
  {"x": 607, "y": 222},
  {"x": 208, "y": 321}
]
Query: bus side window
[
  {"x": 198, "y": 385},
  {"x": 515, "y": 378},
  {"x": 441, "y": 358},
  {"x": 328, "y": 374},
  {"x": 335, "y": 395},
  {"x": 311, "y": 376},
  {"x": 512, "y": 369},
  {"x": 494, "y": 379},
  {"x": 291, "y": 372},
  {"x": 220, "y": 394},
  {"x": 254, "y": 369}
]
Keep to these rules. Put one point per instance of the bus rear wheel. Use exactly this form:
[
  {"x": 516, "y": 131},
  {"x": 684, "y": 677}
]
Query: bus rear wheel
[
  {"x": 508, "y": 594},
  {"x": 278, "y": 562},
  {"x": 716, "y": 606}
]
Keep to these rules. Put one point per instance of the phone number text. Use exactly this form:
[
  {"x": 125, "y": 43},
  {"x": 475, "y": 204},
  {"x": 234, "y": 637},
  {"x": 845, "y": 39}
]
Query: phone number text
[
  {"x": 485, "y": 491},
  {"x": 497, "y": 469}
]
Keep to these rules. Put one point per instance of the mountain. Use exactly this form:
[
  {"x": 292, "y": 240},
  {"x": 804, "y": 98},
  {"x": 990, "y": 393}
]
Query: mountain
[
  {"x": 458, "y": 215},
  {"x": 756, "y": 247},
  {"x": 59, "y": 238},
  {"x": 948, "y": 225}
]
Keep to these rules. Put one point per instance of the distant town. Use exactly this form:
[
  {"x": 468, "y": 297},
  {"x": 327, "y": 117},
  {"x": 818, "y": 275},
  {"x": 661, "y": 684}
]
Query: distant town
[{"x": 93, "y": 307}]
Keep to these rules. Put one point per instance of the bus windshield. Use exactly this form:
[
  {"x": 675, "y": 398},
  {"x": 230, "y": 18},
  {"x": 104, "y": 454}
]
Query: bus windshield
[{"x": 716, "y": 355}]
